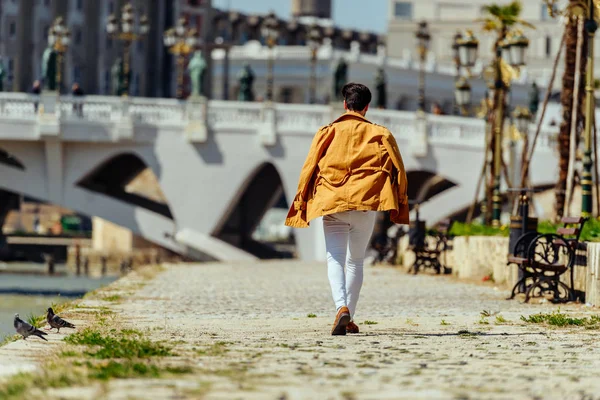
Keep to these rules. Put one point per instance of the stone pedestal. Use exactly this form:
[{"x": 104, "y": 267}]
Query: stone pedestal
[
  {"x": 268, "y": 131},
  {"x": 196, "y": 130},
  {"x": 418, "y": 143}
]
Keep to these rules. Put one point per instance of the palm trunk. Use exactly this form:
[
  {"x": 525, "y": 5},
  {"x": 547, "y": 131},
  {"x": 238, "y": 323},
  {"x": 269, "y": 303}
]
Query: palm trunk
[{"x": 567, "y": 101}]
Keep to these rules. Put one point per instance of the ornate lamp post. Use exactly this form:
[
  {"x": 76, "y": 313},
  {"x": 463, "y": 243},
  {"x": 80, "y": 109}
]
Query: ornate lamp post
[
  {"x": 181, "y": 41},
  {"x": 586, "y": 179},
  {"x": 270, "y": 32},
  {"x": 59, "y": 38},
  {"x": 462, "y": 95},
  {"x": 314, "y": 42},
  {"x": 510, "y": 53},
  {"x": 456, "y": 59},
  {"x": 125, "y": 32},
  {"x": 423, "y": 38}
]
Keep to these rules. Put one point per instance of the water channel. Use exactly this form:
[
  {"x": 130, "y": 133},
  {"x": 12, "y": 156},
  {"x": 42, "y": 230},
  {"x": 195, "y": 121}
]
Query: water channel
[{"x": 23, "y": 290}]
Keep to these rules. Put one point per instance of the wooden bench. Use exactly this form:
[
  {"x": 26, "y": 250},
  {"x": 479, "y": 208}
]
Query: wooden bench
[{"x": 547, "y": 257}]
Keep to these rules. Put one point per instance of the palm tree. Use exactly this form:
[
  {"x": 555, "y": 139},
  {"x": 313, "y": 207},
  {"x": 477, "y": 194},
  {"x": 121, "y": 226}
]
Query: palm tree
[
  {"x": 567, "y": 101},
  {"x": 499, "y": 19}
]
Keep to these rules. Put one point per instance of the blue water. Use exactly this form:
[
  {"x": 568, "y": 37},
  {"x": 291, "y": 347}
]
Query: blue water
[{"x": 33, "y": 294}]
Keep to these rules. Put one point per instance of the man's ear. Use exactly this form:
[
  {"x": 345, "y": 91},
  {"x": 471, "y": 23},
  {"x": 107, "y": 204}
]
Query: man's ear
[
  {"x": 366, "y": 108},
  {"x": 345, "y": 105}
]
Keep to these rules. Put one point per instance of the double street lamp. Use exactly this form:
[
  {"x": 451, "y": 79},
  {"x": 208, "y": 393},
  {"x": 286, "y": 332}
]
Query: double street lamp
[
  {"x": 510, "y": 50},
  {"x": 314, "y": 42},
  {"x": 423, "y": 39},
  {"x": 124, "y": 30},
  {"x": 59, "y": 38},
  {"x": 465, "y": 49},
  {"x": 181, "y": 41},
  {"x": 270, "y": 33}
]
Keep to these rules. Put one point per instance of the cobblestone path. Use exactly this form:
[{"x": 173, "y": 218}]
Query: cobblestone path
[{"x": 249, "y": 330}]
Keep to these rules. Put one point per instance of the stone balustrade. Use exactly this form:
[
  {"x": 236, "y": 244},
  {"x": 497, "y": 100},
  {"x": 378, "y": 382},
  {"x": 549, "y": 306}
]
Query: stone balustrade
[{"x": 197, "y": 117}]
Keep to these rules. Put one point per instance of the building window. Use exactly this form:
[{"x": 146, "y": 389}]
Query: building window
[
  {"x": 76, "y": 73},
  {"x": 78, "y": 36},
  {"x": 111, "y": 7},
  {"x": 108, "y": 43},
  {"x": 140, "y": 46},
  {"x": 46, "y": 3},
  {"x": 107, "y": 82},
  {"x": 12, "y": 30},
  {"x": 45, "y": 32},
  {"x": 79, "y": 5},
  {"x": 548, "y": 47},
  {"x": 403, "y": 10}
]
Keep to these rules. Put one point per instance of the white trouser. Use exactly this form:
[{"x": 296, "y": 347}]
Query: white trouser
[{"x": 347, "y": 233}]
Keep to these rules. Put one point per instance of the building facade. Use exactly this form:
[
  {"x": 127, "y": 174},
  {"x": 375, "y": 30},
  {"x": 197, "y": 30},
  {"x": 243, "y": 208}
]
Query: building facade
[
  {"x": 92, "y": 52},
  {"x": 312, "y": 8},
  {"x": 446, "y": 17}
]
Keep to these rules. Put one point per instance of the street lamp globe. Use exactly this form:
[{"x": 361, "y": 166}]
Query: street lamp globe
[
  {"x": 505, "y": 49},
  {"x": 462, "y": 92},
  {"x": 423, "y": 38},
  {"x": 455, "y": 47},
  {"x": 522, "y": 117},
  {"x": 169, "y": 37},
  {"x": 111, "y": 24},
  {"x": 314, "y": 37},
  {"x": 518, "y": 45},
  {"x": 180, "y": 28},
  {"x": 66, "y": 38},
  {"x": 467, "y": 49},
  {"x": 270, "y": 30},
  {"x": 144, "y": 25},
  {"x": 191, "y": 41}
]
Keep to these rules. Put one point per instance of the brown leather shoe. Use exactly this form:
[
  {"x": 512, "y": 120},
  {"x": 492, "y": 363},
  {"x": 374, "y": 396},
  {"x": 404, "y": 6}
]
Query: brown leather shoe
[
  {"x": 341, "y": 321},
  {"x": 352, "y": 327}
]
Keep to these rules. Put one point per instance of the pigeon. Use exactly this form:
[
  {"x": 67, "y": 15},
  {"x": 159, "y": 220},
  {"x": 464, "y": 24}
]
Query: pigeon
[
  {"x": 57, "y": 322},
  {"x": 25, "y": 329}
]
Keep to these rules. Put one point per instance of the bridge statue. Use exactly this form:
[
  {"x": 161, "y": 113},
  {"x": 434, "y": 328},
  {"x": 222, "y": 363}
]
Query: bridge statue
[
  {"x": 246, "y": 79},
  {"x": 197, "y": 71},
  {"x": 49, "y": 68},
  {"x": 2, "y": 75},
  {"x": 118, "y": 78},
  {"x": 534, "y": 99},
  {"x": 380, "y": 85},
  {"x": 340, "y": 77}
]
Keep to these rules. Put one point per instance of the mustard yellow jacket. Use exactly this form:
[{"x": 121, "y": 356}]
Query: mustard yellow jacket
[{"x": 352, "y": 164}]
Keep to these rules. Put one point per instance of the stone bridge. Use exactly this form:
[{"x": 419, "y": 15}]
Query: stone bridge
[{"x": 220, "y": 165}]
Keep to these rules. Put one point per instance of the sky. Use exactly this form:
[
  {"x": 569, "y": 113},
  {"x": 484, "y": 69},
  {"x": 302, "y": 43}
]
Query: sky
[{"x": 357, "y": 14}]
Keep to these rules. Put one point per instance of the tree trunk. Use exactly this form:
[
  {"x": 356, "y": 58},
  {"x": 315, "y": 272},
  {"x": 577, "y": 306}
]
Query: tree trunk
[{"x": 566, "y": 98}]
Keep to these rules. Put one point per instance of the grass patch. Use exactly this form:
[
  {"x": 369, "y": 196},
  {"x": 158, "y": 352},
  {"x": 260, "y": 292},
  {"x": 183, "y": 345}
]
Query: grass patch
[
  {"x": 125, "y": 346},
  {"x": 128, "y": 369},
  {"x": 214, "y": 350},
  {"x": 556, "y": 318},
  {"x": 367, "y": 322},
  {"x": 443, "y": 323},
  {"x": 311, "y": 315},
  {"x": 500, "y": 319},
  {"x": 113, "y": 298}
]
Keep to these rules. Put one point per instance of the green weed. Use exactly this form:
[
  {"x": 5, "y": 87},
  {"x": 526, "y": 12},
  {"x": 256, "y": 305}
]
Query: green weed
[
  {"x": 367, "y": 322},
  {"x": 111, "y": 346},
  {"x": 556, "y": 318},
  {"x": 311, "y": 315}
]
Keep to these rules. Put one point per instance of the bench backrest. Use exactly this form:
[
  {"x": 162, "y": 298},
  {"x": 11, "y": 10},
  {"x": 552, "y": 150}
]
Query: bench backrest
[
  {"x": 573, "y": 226},
  {"x": 444, "y": 226}
]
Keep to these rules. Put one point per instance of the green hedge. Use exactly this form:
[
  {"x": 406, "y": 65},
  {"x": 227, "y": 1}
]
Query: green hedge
[{"x": 591, "y": 230}]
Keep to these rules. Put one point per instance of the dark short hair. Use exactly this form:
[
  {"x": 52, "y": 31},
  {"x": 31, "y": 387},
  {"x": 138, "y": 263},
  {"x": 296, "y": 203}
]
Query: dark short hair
[{"x": 357, "y": 96}]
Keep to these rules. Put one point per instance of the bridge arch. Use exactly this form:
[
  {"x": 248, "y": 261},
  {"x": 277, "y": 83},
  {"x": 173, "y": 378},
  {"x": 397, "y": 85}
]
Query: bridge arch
[
  {"x": 127, "y": 177},
  {"x": 10, "y": 160},
  {"x": 260, "y": 191},
  {"x": 424, "y": 185}
]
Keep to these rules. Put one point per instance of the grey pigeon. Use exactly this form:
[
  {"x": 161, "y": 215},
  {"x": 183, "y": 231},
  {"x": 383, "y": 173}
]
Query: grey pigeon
[
  {"x": 25, "y": 329},
  {"x": 57, "y": 322}
]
